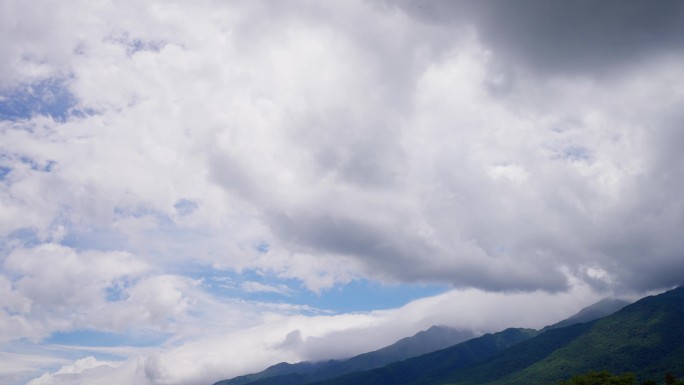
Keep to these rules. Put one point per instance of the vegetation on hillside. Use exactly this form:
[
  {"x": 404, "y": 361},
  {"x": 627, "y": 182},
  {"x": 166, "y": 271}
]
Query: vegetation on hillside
[
  {"x": 606, "y": 378},
  {"x": 601, "y": 378}
]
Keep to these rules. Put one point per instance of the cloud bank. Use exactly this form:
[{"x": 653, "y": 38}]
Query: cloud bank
[{"x": 518, "y": 149}]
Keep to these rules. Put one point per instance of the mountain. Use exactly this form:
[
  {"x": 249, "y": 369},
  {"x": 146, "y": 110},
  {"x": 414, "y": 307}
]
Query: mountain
[
  {"x": 435, "y": 338},
  {"x": 430, "y": 340},
  {"x": 604, "y": 307},
  {"x": 646, "y": 337},
  {"x": 432, "y": 367}
]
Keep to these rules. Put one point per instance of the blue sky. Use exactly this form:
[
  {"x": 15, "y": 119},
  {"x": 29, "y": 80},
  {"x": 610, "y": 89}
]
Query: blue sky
[
  {"x": 49, "y": 97},
  {"x": 356, "y": 296},
  {"x": 183, "y": 186}
]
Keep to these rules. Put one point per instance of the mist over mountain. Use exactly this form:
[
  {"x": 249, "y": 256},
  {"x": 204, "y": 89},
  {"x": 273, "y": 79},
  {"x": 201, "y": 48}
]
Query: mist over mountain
[
  {"x": 646, "y": 338},
  {"x": 432, "y": 339}
]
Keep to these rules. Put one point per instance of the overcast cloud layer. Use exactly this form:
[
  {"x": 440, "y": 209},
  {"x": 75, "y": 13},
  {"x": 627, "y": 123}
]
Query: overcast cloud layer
[{"x": 524, "y": 154}]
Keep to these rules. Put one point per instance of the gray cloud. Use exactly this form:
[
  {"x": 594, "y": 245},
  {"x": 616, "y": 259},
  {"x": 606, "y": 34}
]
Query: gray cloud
[
  {"x": 370, "y": 131},
  {"x": 576, "y": 38},
  {"x": 420, "y": 172}
]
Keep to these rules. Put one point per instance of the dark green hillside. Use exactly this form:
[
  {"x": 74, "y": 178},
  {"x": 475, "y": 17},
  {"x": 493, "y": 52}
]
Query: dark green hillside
[
  {"x": 519, "y": 356},
  {"x": 646, "y": 338}
]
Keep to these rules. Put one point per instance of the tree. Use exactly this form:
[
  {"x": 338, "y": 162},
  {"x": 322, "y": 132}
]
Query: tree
[
  {"x": 601, "y": 378},
  {"x": 670, "y": 379}
]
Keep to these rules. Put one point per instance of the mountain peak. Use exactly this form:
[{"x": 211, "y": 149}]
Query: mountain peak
[{"x": 600, "y": 309}]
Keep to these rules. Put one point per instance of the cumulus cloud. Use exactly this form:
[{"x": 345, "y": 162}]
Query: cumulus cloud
[
  {"x": 51, "y": 287},
  {"x": 424, "y": 161},
  {"x": 523, "y": 147}
]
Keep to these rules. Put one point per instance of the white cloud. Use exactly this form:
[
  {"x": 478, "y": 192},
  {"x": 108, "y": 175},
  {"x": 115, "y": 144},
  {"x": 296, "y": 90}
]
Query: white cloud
[
  {"x": 358, "y": 140},
  {"x": 423, "y": 161},
  {"x": 258, "y": 287},
  {"x": 16, "y": 367},
  {"x": 91, "y": 371},
  {"x": 217, "y": 354},
  {"x": 52, "y": 287}
]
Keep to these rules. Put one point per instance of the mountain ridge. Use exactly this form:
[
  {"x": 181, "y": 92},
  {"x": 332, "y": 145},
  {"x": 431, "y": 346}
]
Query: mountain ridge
[
  {"x": 478, "y": 360},
  {"x": 600, "y": 309},
  {"x": 425, "y": 341},
  {"x": 645, "y": 337}
]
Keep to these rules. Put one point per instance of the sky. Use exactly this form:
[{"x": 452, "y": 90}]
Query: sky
[{"x": 191, "y": 191}]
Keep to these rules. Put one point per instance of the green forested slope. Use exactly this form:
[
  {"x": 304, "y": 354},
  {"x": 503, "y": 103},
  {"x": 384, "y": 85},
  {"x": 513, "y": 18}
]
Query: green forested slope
[{"x": 646, "y": 338}]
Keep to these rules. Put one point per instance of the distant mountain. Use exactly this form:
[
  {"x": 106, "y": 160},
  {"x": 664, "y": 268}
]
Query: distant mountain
[
  {"x": 426, "y": 341},
  {"x": 432, "y": 367},
  {"x": 604, "y": 307},
  {"x": 435, "y": 338},
  {"x": 646, "y": 338}
]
